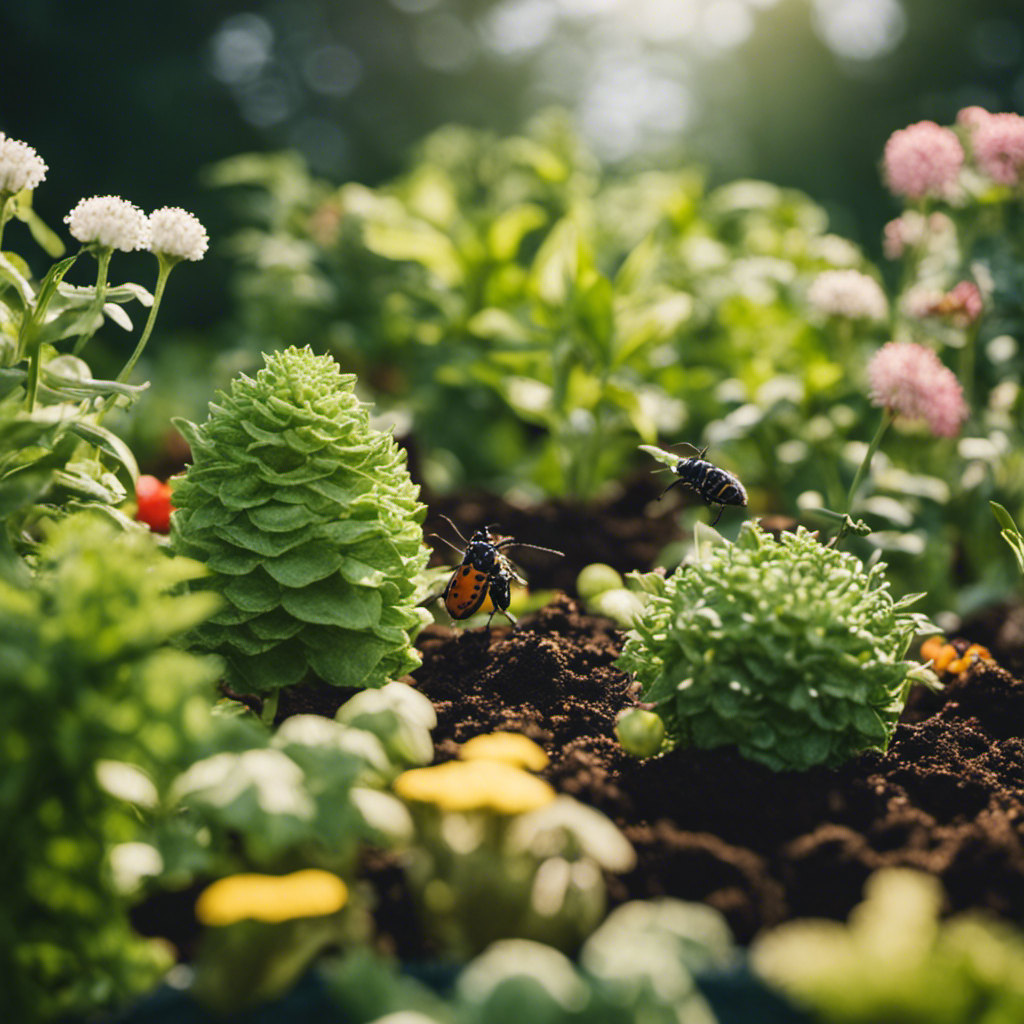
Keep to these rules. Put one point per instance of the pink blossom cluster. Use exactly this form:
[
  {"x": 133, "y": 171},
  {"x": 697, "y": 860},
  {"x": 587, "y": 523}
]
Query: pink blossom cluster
[
  {"x": 913, "y": 382},
  {"x": 912, "y": 229},
  {"x": 923, "y": 160},
  {"x": 997, "y": 143},
  {"x": 962, "y": 305}
]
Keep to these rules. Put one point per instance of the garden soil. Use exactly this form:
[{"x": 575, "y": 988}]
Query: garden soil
[{"x": 761, "y": 846}]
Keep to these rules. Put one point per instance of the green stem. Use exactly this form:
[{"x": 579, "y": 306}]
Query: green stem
[
  {"x": 96, "y": 309},
  {"x": 269, "y": 711},
  {"x": 887, "y": 417},
  {"x": 166, "y": 266}
]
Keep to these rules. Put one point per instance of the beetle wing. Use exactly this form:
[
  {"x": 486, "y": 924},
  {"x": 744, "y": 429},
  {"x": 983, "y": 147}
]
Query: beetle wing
[{"x": 466, "y": 592}]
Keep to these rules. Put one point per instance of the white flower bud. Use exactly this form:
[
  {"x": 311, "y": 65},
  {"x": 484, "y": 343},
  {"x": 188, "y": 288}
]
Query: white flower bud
[
  {"x": 177, "y": 233},
  {"x": 109, "y": 221},
  {"x": 20, "y": 165}
]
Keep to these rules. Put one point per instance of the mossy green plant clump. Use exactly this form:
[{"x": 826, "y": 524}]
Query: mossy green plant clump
[
  {"x": 310, "y": 526},
  {"x": 787, "y": 649}
]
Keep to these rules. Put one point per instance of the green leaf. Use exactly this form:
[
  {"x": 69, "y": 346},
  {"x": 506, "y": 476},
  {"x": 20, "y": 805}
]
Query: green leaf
[
  {"x": 511, "y": 226},
  {"x": 46, "y": 238},
  {"x": 10, "y": 273},
  {"x": 334, "y": 602},
  {"x": 275, "y": 517},
  {"x": 108, "y": 442},
  {"x": 304, "y": 564}
]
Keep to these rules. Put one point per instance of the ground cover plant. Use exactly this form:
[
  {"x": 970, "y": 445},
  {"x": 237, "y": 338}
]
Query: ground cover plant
[{"x": 255, "y": 758}]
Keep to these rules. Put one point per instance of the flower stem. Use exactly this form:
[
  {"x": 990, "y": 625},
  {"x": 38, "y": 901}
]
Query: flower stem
[
  {"x": 96, "y": 309},
  {"x": 887, "y": 417},
  {"x": 165, "y": 269}
]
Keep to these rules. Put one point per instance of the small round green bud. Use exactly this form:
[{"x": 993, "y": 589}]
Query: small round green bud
[
  {"x": 640, "y": 732},
  {"x": 596, "y": 578},
  {"x": 620, "y": 604}
]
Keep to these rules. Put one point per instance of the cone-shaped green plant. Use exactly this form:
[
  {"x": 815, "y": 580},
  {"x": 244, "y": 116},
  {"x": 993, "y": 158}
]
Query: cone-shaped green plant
[{"x": 310, "y": 526}]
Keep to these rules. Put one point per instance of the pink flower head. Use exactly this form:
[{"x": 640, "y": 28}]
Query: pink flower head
[
  {"x": 923, "y": 160},
  {"x": 962, "y": 304},
  {"x": 972, "y": 117},
  {"x": 913, "y": 382},
  {"x": 998, "y": 144}
]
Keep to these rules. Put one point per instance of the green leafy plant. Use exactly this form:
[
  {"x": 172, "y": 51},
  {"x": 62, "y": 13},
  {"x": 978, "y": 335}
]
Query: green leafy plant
[
  {"x": 98, "y": 711},
  {"x": 55, "y": 453},
  {"x": 498, "y": 854},
  {"x": 896, "y": 962},
  {"x": 309, "y": 524},
  {"x": 789, "y": 650},
  {"x": 276, "y": 824}
]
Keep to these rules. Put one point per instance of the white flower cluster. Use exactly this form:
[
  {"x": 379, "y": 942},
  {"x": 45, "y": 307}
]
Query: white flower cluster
[
  {"x": 20, "y": 165},
  {"x": 848, "y": 293},
  {"x": 114, "y": 222},
  {"x": 175, "y": 232},
  {"x": 109, "y": 221}
]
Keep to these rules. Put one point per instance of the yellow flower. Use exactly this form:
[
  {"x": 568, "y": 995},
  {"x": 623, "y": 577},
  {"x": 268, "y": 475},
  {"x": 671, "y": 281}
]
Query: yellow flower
[
  {"x": 271, "y": 898},
  {"x": 475, "y": 786},
  {"x": 510, "y": 747}
]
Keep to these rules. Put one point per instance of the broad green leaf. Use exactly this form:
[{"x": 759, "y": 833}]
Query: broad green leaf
[
  {"x": 107, "y": 442},
  {"x": 510, "y": 227},
  {"x": 10, "y": 272}
]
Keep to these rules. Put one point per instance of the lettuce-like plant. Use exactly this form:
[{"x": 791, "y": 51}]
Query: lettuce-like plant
[
  {"x": 97, "y": 707},
  {"x": 310, "y": 526},
  {"x": 790, "y": 650}
]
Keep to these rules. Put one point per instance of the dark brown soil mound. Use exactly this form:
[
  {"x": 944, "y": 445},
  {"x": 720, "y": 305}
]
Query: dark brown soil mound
[{"x": 760, "y": 846}]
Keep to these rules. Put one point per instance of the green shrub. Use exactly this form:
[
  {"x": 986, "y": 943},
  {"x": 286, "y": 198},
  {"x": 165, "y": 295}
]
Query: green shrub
[
  {"x": 97, "y": 708},
  {"x": 789, "y": 650},
  {"x": 309, "y": 524}
]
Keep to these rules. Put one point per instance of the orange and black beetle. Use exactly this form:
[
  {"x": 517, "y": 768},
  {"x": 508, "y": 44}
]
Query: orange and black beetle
[{"x": 484, "y": 572}]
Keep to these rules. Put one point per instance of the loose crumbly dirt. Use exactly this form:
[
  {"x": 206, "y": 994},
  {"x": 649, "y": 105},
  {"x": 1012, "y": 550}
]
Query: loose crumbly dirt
[{"x": 761, "y": 846}]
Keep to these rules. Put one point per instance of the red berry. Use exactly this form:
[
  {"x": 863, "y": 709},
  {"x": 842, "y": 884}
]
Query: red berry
[{"x": 153, "y": 497}]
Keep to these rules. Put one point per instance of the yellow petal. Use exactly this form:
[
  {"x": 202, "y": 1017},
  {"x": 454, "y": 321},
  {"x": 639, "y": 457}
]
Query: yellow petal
[
  {"x": 271, "y": 898},
  {"x": 510, "y": 747}
]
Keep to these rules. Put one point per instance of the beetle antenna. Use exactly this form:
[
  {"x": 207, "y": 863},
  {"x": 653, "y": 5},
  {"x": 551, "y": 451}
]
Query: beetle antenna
[
  {"x": 701, "y": 452},
  {"x": 446, "y": 541},
  {"x": 455, "y": 528},
  {"x": 510, "y": 543}
]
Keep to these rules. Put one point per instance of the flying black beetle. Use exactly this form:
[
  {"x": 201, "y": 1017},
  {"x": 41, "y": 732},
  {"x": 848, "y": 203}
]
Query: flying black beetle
[
  {"x": 713, "y": 484},
  {"x": 484, "y": 572}
]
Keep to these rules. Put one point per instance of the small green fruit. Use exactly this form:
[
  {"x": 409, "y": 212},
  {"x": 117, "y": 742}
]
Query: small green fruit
[
  {"x": 596, "y": 578},
  {"x": 640, "y": 732}
]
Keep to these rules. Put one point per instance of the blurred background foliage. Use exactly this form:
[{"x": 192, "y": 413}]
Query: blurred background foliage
[
  {"x": 135, "y": 98},
  {"x": 155, "y": 102}
]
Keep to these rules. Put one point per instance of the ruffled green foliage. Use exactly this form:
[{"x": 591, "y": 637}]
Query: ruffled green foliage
[
  {"x": 895, "y": 962},
  {"x": 310, "y": 526},
  {"x": 788, "y": 649},
  {"x": 97, "y": 708},
  {"x": 639, "y": 965}
]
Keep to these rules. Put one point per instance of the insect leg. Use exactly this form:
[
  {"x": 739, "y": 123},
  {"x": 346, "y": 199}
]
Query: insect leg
[
  {"x": 721, "y": 509},
  {"x": 669, "y": 488}
]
